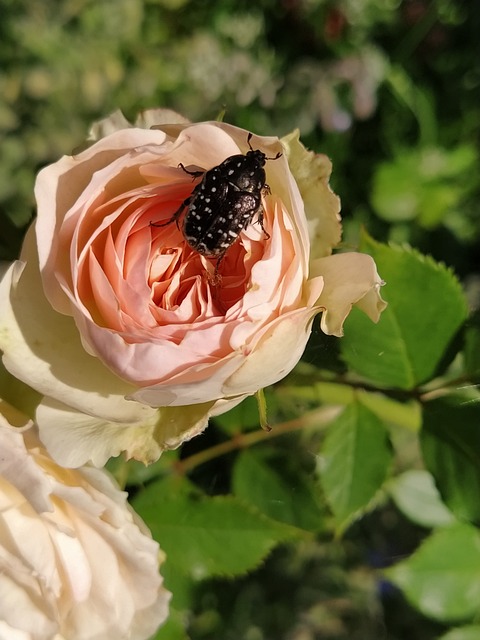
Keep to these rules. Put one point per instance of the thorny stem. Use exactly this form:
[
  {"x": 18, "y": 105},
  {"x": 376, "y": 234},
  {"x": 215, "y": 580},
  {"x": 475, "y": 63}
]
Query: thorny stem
[{"x": 319, "y": 418}]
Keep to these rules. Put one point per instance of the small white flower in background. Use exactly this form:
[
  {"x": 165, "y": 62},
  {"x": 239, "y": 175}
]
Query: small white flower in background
[{"x": 76, "y": 562}]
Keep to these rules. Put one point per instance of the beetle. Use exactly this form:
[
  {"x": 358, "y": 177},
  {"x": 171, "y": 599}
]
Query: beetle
[{"x": 223, "y": 203}]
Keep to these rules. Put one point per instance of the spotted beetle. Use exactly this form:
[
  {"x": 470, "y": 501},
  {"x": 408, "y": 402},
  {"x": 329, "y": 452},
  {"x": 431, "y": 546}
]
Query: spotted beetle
[{"x": 223, "y": 203}]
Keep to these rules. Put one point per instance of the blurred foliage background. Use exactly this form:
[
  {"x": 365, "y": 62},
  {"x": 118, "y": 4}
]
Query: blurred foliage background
[{"x": 389, "y": 89}]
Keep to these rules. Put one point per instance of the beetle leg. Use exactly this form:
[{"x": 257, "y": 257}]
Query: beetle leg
[
  {"x": 175, "y": 216},
  {"x": 260, "y": 222},
  {"x": 195, "y": 174}
]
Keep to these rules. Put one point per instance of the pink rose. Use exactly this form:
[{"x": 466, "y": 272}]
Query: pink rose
[{"x": 120, "y": 322}]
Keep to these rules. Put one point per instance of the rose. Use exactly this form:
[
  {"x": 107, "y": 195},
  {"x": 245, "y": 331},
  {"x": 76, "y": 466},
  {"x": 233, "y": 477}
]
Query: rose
[
  {"x": 75, "y": 560},
  {"x": 118, "y": 323}
]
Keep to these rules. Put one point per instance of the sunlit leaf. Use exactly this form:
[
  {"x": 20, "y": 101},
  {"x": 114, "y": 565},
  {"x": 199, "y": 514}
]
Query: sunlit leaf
[
  {"x": 174, "y": 627},
  {"x": 415, "y": 494},
  {"x": 442, "y": 578},
  {"x": 354, "y": 462},
  {"x": 426, "y": 308},
  {"x": 204, "y": 537}
]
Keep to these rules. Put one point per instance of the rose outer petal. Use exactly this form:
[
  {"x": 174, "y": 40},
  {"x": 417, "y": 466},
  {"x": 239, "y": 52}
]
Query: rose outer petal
[
  {"x": 350, "y": 279},
  {"x": 322, "y": 207},
  {"x": 43, "y": 349},
  {"x": 68, "y": 178},
  {"x": 74, "y": 438}
]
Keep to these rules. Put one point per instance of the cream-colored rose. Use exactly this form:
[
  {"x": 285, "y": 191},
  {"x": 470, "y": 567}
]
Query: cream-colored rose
[
  {"x": 76, "y": 562},
  {"x": 120, "y": 324}
]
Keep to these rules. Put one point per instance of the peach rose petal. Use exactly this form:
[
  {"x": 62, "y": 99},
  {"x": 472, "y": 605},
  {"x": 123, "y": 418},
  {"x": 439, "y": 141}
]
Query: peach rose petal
[
  {"x": 81, "y": 170},
  {"x": 350, "y": 279},
  {"x": 43, "y": 349},
  {"x": 160, "y": 358},
  {"x": 274, "y": 355},
  {"x": 105, "y": 422}
]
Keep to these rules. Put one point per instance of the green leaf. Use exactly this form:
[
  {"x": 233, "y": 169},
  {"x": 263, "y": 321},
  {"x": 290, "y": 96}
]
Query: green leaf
[
  {"x": 442, "y": 578},
  {"x": 426, "y": 308},
  {"x": 180, "y": 585},
  {"x": 280, "y": 495},
  {"x": 472, "y": 346},
  {"x": 450, "y": 440},
  {"x": 204, "y": 537},
  {"x": 393, "y": 196},
  {"x": 470, "y": 632},
  {"x": 174, "y": 627},
  {"x": 424, "y": 183},
  {"x": 355, "y": 460},
  {"x": 416, "y": 496}
]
